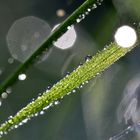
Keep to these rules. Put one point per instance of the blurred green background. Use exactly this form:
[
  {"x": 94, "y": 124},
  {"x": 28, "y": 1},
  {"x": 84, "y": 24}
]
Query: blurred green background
[{"x": 90, "y": 113}]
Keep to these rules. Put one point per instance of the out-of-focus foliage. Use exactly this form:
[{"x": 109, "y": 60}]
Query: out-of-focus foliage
[{"x": 128, "y": 9}]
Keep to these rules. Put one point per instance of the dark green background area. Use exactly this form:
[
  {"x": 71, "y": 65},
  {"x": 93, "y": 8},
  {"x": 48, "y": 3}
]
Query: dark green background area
[{"x": 90, "y": 113}]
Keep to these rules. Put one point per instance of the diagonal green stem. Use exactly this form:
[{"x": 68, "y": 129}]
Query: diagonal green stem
[
  {"x": 72, "y": 19},
  {"x": 82, "y": 74}
]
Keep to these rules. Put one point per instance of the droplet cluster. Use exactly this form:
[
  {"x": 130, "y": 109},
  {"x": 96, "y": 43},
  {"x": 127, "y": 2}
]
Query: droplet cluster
[
  {"x": 5, "y": 94},
  {"x": 125, "y": 36},
  {"x": 78, "y": 78},
  {"x": 59, "y": 90},
  {"x": 87, "y": 11}
]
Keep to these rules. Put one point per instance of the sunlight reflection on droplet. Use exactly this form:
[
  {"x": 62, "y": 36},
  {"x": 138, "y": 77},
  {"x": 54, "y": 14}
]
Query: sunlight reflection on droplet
[
  {"x": 9, "y": 90},
  {"x": 56, "y": 102},
  {"x": 22, "y": 77},
  {"x": 67, "y": 40},
  {"x": 125, "y": 36},
  {"x": 25, "y": 36}
]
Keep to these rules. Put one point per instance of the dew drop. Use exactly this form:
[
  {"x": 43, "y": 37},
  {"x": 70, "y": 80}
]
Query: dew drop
[
  {"x": 16, "y": 126},
  {"x": 56, "y": 102},
  {"x": 20, "y": 123},
  {"x": 4, "y": 95},
  {"x": 68, "y": 93},
  {"x": 86, "y": 13},
  {"x": 78, "y": 20},
  {"x": 10, "y": 117},
  {"x": 62, "y": 97},
  {"x": 41, "y": 112},
  {"x": 83, "y": 16},
  {"x": 9, "y": 90},
  {"x": 46, "y": 108},
  {"x": 24, "y": 121},
  {"x": 47, "y": 91},
  {"x": 94, "y": 6},
  {"x": 36, "y": 114},
  {"x": 89, "y": 9},
  {"x": 69, "y": 27},
  {"x": 49, "y": 87},
  {"x": 98, "y": 74},
  {"x": 22, "y": 77},
  {"x": 51, "y": 104},
  {"x": 74, "y": 91}
]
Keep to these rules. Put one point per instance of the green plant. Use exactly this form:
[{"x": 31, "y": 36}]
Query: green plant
[{"x": 80, "y": 76}]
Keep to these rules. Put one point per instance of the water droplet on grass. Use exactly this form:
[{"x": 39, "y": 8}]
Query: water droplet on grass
[
  {"x": 41, "y": 112},
  {"x": 46, "y": 108},
  {"x": 9, "y": 90},
  {"x": 4, "y": 95},
  {"x": 89, "y": 9},
  {"x": 36, "y": 114},
  {"x": 24, "y": 121},
  {"x": 78, "y": 20},
  {"x": 74, "y": 91},
  {"x": 69, "y": 27},
  {"x": 10, "y": 117},
  {"x": 16, "y": 126},
  {"x": 56, "y": 102},
  {"x": 88, "y": 57},
  {"x": 10, "y": 60},
  {"x": 94, "y": 6},
  {"x": 22, "y": 77}
]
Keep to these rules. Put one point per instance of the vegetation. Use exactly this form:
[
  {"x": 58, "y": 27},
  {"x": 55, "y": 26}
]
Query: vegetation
[{"x": 80, "y": 76}]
